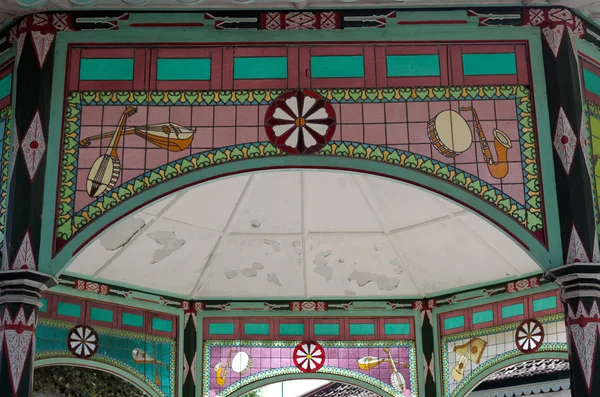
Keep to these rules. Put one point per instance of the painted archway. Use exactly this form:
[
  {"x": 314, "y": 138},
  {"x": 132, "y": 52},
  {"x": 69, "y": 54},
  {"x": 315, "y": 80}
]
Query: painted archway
[{"x": 110, "y": 369}]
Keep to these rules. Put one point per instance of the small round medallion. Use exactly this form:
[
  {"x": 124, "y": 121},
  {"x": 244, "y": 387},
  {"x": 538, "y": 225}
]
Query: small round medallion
[
  {"x": 529, "y": 336},
  {"x": 83, "y": 341},
  {"x": 309, "y": 356}
]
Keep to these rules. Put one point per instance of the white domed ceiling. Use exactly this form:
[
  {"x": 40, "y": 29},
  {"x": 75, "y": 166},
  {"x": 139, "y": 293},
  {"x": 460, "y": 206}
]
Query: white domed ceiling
[{"x": 302, "y": 234}]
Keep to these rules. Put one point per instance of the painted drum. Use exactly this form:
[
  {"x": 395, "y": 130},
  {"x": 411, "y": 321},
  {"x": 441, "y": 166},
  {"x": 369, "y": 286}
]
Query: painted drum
[{"x": 449, "y": 133}]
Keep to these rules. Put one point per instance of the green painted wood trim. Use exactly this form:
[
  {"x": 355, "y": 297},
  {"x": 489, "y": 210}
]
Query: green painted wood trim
[
  {"x": 467, "y": 388},
  {"x": 337, "y": 66},
  {"x": 132, "y": 320},
  {"x": 484, "y": 316},
  {"x": 260, "y": 68},
  {"x": 159, "y": 324},
  {"x": 413, "y": 65},
  {"x": 454, "y": 322},
  {"x": 6, "y": 86},
  {"x": 221, "y": 328},
  {"x": 120, "y": 69},
  {"x": 326, "y": 329},
  {"x": 44, "y": 307},
  {"x": 291, "y": 329},
  {"x": 257, "y": 328},
  {"x": 489, "y": 64},
  {"x": 177, "y": 69},
  {"x": 362, "y": 329},
  {"x": 518, "y": 309},
  {"x": 104, "y": 315},
  {"x": 69, "y": 309},
  {"x": 542, "y": 304},
  {"x": 396, "y": 329},
  {"x": 76, "y": 362}
]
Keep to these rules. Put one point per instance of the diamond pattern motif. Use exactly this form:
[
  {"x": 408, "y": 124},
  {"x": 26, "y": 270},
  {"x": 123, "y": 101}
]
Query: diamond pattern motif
[
  {"x": 554, "y": 37},
  {"x": 576, "y": 251},
  {"x": 42, "y": 43},
  {"x": 25, "y": 258},
  {"x": 565, "y": 141},
  {"x": 584, "y": 332},
  {"x": 20, "y": 44},
  {"x": 33, "y": 145}
]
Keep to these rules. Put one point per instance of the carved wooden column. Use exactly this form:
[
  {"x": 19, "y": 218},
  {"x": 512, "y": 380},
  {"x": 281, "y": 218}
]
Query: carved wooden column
[
  {"x": 581, "y": 296},
  {"x": 20, "y": 293}
]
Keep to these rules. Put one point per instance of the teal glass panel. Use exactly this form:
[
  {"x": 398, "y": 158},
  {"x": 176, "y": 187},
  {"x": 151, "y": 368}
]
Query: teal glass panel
[
  {"x": 69, "y": 309},
  {"x": 5, "y": 86},
  {"x": 183, "y": 69},
  {"x": 362, "y": 329},
  {"x": 488, "y": 64},
  {"x": 158, "y": 324},
  {"x": 260, "y": 68},
  {"x": 397, "y": 329},
  {"x": 547, "y": 303},
  {"x": 256, "y": 329},
  {"x": 454, "y": 322},
  {"x": 513, "y": 310},
  {"x": 327, "y": 329},
  {"x": 413, "y": 65},
  {"x": 337, "y": 66},
  {"x": 106, "y": 69},
  {"x": 591, "y": 81},
  {"x": 484, "y": 316},
  {"x": 291, "y": 329},
  {"x": 132, "y": 320},
  {"x": 44, "y": 307},
  {"x": 101, "y": 315},
  {"x": 221, "y": 328}
]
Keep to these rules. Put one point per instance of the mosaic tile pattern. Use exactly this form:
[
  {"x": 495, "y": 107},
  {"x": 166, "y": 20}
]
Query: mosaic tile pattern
[
  {"x": 116, "y": 348},
  {"x": 5, "y": 155},
  {"x": 385, "y": 125},
  {"x": 274, "y": 358},
  {"x": 499, "y": 346}
]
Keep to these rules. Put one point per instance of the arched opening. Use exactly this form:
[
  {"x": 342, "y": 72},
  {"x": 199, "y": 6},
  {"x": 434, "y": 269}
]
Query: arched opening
[
  {"x": 80, "y": 378},
  {"x": 300, "y": 234}
]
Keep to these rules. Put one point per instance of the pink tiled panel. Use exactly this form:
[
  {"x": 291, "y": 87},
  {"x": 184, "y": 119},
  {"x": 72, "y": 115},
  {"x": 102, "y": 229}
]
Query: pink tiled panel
[{"x": 397, "y": 125}]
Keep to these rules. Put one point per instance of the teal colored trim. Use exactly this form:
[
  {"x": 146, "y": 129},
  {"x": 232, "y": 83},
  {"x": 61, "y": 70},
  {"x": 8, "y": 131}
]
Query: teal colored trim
[
  {"x": 489, "y": 64},
  {"x": 413, "y": 65},
  {"x": 69, "y": 309},
  {"x": 173, "y": 69},
  {"x": 44, "y": 307},
  {"x": 132, "y": 320},
  {"x": 362, "y": 329},
  {"x": 5, "y": 86},
  {"x": 256, "y": 329},
  {"x": 518, "y": 309},
  {"x": 542, "y": 304},
  {"x": 291, "y": 329},
  {"x": 260, "y": 68},
  {"x": 397, "y": 329},
  {"x": 337, "y": 66},
  {"x": 158, "y": 324},
  {"x": 483, "y": 317},
  {"x": 221, "y": 329},
  {"x": 473, "y": 383},
  {"x": 104, "y": 315},
  {"x": 326, "y": 329},
  {"x": 120, "y": 69},
  {"x": 591, "y": 81},
  {"x": 454, "y": 322},
  {"x": 76, "y": 362}
]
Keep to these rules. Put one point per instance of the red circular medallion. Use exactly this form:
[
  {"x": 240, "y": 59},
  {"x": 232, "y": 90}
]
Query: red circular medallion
[
  {"x": 529, "y": 336},
  {"x": 309, "y": 356},
  {"x": 300, "y": 122}
]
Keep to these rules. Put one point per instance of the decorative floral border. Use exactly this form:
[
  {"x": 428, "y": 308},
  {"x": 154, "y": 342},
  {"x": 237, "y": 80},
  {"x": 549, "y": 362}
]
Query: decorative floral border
[
  {"x": 546, "y": 347},
  {"x": 114, "y": 362},
  {"x": 208, "y": 344},
  {"x": 69, "y": 222},
  {"x": 6, "y": 116}
]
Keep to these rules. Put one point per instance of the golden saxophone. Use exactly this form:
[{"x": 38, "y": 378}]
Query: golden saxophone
[{"x": 498, "y": 169}]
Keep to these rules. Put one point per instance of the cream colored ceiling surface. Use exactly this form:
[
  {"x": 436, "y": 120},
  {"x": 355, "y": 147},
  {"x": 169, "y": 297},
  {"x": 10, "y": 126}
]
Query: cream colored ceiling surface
[{"x": 303, "y": 234}]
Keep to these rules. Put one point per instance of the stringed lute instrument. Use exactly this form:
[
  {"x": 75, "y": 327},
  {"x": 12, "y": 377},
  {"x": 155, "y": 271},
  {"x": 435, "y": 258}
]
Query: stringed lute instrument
[{"x": 106, "y": 169}]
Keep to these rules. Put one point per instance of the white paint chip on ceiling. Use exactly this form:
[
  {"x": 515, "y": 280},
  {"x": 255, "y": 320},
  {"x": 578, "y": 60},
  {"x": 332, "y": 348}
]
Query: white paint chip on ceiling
[{"x": 303, "y": 234}]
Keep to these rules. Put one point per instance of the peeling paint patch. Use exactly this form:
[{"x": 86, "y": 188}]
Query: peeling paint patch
[
  {"x": 255, "y": 223},
  {"x": 397, "y": 266},
  {"x": 258, "y": 266},
  {"x": 384, "y": 283},
  {"x": 321, "y": 267},
  {"x": 231, "y": 274},
  {"x": 274, "y": 244},
  {"x": 249, "y": 272},
  {"x": 347, "y": 292},
  {"x": 122, "y": 233},
  {"x": 272, "y": 278},
  {"x": 170, "y": 243}
]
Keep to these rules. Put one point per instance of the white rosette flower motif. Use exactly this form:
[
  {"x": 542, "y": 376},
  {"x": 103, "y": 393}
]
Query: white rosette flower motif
[{"x": 309, "y": 356}]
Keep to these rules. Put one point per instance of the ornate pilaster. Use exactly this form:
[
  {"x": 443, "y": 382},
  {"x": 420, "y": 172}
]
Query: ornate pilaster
[
  {"x": 581, "y": 296},
  {"x": 428, "y": 344},
  {"x": 190, "y": 346},
  {"x": 20, "y": 293}
]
